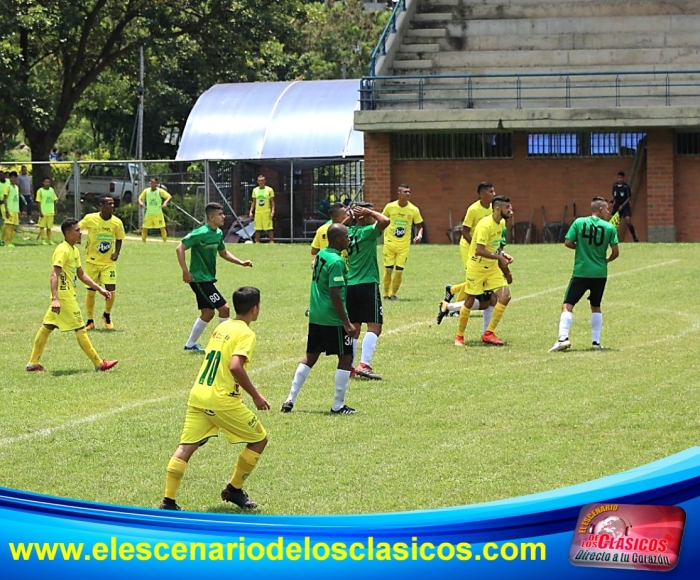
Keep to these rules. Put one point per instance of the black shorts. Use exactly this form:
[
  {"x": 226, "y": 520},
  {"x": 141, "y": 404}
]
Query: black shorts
[
  {"x": 624, "y": 212},
  {"x": 485, "y": 297},
  {"x": 364, "y": 303},
  {"x": 578, "y": 287},
  {"x": 328, "y": 339},
  {"x": 207, "y": 295}
]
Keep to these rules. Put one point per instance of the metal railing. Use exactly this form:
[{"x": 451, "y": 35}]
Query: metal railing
[
  {"x": 390, "y": 28},
  {"x": 529, "y": 89}
]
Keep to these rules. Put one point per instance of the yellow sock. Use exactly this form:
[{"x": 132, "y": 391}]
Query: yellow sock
[
  {"x": 144, "y": 235},
  {"x": 86, "y": 345},
  {"x": 164, "y": 234},
  {"x": 247, "y": 461},
  {"x": 387, "y": 280},
  {"x": 396, "y": 283},
  {"x": 173, "y": 476},
  {"x": 498, "y": 311},
  {"x": 9, "y": 234},
  {"x": 464, "y": 313},
  {"x": 90, "y": 304},
  {"x": 462, "y": 294},
  {"x": 48, "y": 233},
  {"x": 39, "y": 344},
  {"x": 457, "y": 289},
  {"x": 109, "y": 304},
  {"x": 42, "y": 234}
]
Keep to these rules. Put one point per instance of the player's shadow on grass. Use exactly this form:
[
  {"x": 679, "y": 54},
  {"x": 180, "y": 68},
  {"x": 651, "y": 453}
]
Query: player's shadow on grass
[
  {"x": 68, "y": 372},
  {"x": 231, "y": 509}
]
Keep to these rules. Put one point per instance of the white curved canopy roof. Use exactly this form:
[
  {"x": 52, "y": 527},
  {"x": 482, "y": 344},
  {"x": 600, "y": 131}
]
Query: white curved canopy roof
[{"x": 282, "y": 120}]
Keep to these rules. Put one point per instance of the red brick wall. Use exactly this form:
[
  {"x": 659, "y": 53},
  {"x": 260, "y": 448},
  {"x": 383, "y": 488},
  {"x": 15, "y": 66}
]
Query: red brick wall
[
  {"x": 660, "y": 178},
  {"x": 687, "y": 198},
  {"x": 378, "y": 169},
  {"x": 440, "y": 186}
]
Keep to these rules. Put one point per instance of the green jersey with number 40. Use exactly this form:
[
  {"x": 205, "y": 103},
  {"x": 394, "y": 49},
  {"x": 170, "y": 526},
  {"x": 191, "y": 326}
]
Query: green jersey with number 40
[
  {"x": 330, "y": 271},
  {"x": 362, "y": 255},
  {"x": 592, "y": 236}
]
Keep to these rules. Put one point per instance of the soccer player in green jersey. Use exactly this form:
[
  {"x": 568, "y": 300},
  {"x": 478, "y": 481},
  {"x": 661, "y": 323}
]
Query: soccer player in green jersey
[
  {"x": 364, "y": 301},
  {"x": 330, "y": 329},
  {"x": 590, "y": 237},
  {"x": 205, "y": 243},
  {"x": 216, "y": 403}
]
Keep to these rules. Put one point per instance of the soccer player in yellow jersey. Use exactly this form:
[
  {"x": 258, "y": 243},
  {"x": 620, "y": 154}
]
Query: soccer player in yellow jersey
[
  {"x": 155, "y": 199},
  {"x": 475, "y": 213},
  {"x": 10, "y": 202},
  {"x": 215, "y": 403},
  {"x": 263, "y": 206},
  {"x": 338, "y": 214},
  {"x": 46, "y": 198},
  {"x": 487, "y": 270},
  {"x": 402, "y": 215},
  {"x": 64, "y": 312},
  {"x": 105, "y": 235}
]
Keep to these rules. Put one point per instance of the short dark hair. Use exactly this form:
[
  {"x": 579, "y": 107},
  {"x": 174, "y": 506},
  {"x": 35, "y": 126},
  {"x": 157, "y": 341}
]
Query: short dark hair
[
  {"x": 67, "y": 224},
  {"x": 599, "y": 198},
  {"x": 366, "y": 204},
  {"x": 245, "y": 299},
  {"x": 335, "y": 208},
  {"x": 499, "y": 199},
  {"x": 483, "y": 185},
  {"x": 620, "y": 173},
  {"x": 102, "y": 198},
  {"x": 404, "y": 186},
  {"x": 13, "y": 174},
  {"x": 211, "y": 208}
]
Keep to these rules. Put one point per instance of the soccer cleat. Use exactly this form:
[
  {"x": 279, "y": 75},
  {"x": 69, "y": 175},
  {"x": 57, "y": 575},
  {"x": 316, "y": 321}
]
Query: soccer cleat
[
  {"x": 52, "y": 243},
  {"x": 597, "y": 346},
  {"x": 37, "y": 368},
  {"x": 44, "y": 243},
  {"x": 90, "y": 325},
  {"x": 106, "y": 365},
  {"x": 107, "y": 321},
  {"x": 169, "y": 504},
  {"x": 194, "y": 348},
  {"x": 344, "y": 410},
  {"x": 490, "y": 338},
  {"x": 442, "y": 311},
  {"x": 366, "y": 372},
  {"x": 459, "y": 340},
  {"x": 392, "y": 297},
  {"x": 448, "y": 293},
  {"x": 237, "y": 496},
  {"x": 287, "y": 407},
  {"x": 561, "y": 345},
  {"x": 10, "y": 246}
]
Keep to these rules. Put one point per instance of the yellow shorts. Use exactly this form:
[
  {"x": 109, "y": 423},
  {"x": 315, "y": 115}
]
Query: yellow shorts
[
  {"x": 153, "y": 221},
  {"x": 240, "y": 425},
  {"x": 69, "y": 317},
  {"x": 263, "y": 221},
  {"x": 103, "y": 274},
  {"x": 46, "y": 221},
  {"x": 12, "y": 219},
  {"x": 395, "y": 255},
  {"x": 482, "y": 280}
]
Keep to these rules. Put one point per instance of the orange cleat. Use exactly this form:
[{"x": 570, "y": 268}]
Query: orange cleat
[
  {"x": 490, "y": 338},
  {"x": 106, "y": 365},
  {"x": 459, "y": 340}
]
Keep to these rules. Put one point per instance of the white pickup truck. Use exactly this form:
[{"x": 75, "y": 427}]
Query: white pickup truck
[{"x": 120, "y": 180}]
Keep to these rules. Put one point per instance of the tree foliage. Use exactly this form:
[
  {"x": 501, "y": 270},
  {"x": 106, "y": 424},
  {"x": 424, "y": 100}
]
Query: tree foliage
[{"x": 80, "y": 58}]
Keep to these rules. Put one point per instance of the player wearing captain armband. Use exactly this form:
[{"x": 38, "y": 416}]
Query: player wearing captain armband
[
  {"x": 402, "y": 216},
  {"x": 104, "y": 243},
  {"x": 590, "y": 237}
]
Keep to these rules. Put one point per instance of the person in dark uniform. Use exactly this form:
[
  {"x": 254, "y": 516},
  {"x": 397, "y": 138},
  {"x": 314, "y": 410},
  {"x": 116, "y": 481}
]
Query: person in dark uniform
[{"x": 622, "y": 197}]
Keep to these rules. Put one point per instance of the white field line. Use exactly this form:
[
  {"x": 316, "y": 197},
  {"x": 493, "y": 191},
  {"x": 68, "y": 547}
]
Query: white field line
[
  {"x": 114, "y": 411},
  {"x": 105, "y": 414}
]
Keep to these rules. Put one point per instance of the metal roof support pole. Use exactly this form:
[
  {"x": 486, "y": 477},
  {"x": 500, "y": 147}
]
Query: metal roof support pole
[{"x": 291, "y": 202}]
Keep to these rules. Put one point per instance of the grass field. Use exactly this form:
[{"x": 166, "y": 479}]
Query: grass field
[{"x": 448, "y": 426}]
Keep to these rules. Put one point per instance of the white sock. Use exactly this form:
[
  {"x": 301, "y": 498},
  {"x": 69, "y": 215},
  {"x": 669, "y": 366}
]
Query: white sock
[
  {"x": 596, "y": 326},
  {"x": 487, "y": 318},
  {"x": 222, "y": 319},
  {"x": 298, "y": 381},
  {"x": 354, "y": 352},
  {"x": 455, "y": 306},
  {"x": 369, "y": 344},
  {"x": 565, "y": 321},
  {"x": 197, "y": 330},
  {"x": 475, "y": 306},
  {"x": 342, "y": 378}
]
